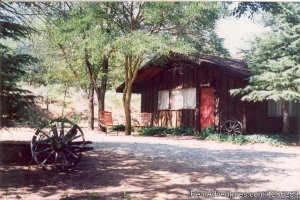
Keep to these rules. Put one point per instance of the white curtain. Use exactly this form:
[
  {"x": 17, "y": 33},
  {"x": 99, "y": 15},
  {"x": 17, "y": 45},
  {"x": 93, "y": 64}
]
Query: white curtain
[
  {"x": 183, "y": 99},
  {"x": 293, "y": 109},
  {"x": 163, "y": 99},
  {"x": 176, "y": 99},
  {"x": 189, "y": 98},
  {"x": 275, "y": 109}
]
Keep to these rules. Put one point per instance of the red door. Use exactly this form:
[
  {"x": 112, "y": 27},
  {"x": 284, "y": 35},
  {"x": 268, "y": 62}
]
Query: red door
[{"x": 206, "y": 107}]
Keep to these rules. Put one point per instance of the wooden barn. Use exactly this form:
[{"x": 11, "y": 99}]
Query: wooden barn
[{"x": 193, "y": 91}]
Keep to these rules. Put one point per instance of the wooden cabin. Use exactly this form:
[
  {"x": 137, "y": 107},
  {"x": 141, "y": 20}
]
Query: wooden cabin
[{"x": 193, "y": 91}]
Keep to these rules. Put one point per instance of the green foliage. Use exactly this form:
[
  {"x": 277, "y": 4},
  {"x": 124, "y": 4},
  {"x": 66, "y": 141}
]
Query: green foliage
[
  {"x": 93, "y": 195},
  {"x": 127, "y": 196},
  {"x": 274, "y": 59},
  {"x": 182, "y": 131},
  {"x": 7, "y": 193},
  {"x": 253, "y": 7},
  {"x": 120, "y": 127},
  {"x": 163, "y": 131},
  {"x": 43, "y": 123},
  {"x": 156, "y": 29},
  {"x": 274, "y": 139},
  {"x": 206, "y": 132},
  {"x": 162, "y": 27},
  {"x": 194, "y": 22},
  {"x": 151, "y": 131},
  {"x": 13, "y": 99},
  {"x": 65, "y": 197},
  {"x": 138, "y": 43},
  {"x": 75, "y": 118}
]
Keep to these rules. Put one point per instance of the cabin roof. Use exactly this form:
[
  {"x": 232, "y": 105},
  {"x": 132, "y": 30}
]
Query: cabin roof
[{"x": 235, "y": 67}]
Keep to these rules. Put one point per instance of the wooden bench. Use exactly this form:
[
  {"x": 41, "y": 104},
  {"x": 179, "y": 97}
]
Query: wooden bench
[
  {"x": 106, "y": 120},
  {"x": 144, "y": 120}
]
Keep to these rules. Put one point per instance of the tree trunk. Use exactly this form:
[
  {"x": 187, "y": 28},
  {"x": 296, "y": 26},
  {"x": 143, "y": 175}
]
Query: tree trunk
[
  {"x": 131, "y": 68},
  {"x": 102, "y": 89},
  {"x": 91, "y": 107},
  {"x": 126, "y": 103},
  {"x": 47, "y": 102},
  {"x": 64, "y": 101},
  {"x": 286, "y": 125}
]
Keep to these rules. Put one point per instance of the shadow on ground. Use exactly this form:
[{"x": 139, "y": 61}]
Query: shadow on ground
[{"x": 109, "y": 174}]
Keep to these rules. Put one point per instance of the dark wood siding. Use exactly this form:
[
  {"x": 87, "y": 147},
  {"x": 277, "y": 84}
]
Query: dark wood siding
[
  {"x": 252, "y": 115},
  {"x": 188, "y": 77}
]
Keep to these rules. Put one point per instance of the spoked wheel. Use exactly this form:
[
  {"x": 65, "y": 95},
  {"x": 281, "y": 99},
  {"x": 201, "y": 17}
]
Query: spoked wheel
[
  {"x": 231, "y": 128},
  {"x": 58, "y": 145}
]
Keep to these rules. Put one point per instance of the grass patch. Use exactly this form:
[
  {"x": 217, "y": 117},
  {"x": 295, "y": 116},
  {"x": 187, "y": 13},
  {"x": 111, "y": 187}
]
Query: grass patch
[{"x": 273, "y": 140}]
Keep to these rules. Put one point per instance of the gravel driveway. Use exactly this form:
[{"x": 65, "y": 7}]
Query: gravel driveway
[
  {"x": 255, "y": 167},
  {"x": 124, "y": 167}
]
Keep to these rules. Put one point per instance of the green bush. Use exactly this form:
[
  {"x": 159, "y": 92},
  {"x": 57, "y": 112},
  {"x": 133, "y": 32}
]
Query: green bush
[
  {"x": 206, "y": 133},
  {"x": 75, "y": 118},
  {"x": 120, "y": 127},
  {"x": 151, "y": 131},
  {"x": 274, "y": 140},
  {"x": 163, "y": 131},
  {"x": 210, "y": 134},
  {"x": 182, "y": 131}
]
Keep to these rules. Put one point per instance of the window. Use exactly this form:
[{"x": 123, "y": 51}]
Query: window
[
  {"x": 183, "y": 99},
  {"x": 163, "y": 100},
  {"x": 293, "y": 109},
  {"x": 275, "y": 109}
]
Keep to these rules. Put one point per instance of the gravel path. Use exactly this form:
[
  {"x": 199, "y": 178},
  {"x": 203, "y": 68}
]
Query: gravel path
[
  {"x": 255, "y": 167},
  {"x": 156, "y": 168}
]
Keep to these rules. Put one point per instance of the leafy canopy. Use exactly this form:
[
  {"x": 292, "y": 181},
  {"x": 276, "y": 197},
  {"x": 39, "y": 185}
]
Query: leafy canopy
[
  {"x": 275, "y": 59},
  {"x": 13, "y": 99}
]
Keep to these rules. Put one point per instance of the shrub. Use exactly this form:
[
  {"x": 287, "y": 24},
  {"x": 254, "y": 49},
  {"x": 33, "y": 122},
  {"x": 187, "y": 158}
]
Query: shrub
[
  {"x": 75, "y": 118},
  {"x": 182, "y": 131},
  {"x": 162, "y": 131},
  {"x": 151, "y": 131},
  {"x": 274, "y": 140},
  {"x": 120, "y": 127},
  {"x": 206, "y": 132}
]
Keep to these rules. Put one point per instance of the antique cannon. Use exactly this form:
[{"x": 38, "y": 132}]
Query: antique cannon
[{"x": 58, "y": 145}]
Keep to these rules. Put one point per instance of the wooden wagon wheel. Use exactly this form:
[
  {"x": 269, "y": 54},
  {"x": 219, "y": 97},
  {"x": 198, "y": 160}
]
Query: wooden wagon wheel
[
  {"x": 231, "y": 128},
  {"x": 58, "y": 145}
]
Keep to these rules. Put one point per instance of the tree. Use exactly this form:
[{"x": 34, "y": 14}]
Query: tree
[
  {"x": 90, "y": 39},
  {"x": 275, "y": 61},
  {"x": 12, "y": 98},
  {"x": 72, "y": 45},
  {"x": 148, "y": 29},
  {"x": 252, "y": 7}
]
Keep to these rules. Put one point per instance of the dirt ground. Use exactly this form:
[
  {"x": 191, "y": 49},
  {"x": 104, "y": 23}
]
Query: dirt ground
[
  {"x": 134, "y": 167},
  {"x": 103, "y": 175}
]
